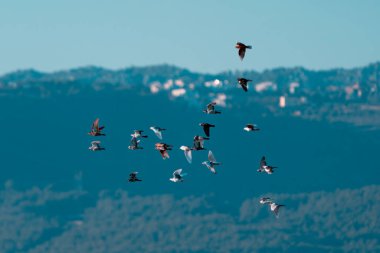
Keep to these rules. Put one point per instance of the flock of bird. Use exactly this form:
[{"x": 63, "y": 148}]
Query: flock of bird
[{"x": 198, "y": 142}]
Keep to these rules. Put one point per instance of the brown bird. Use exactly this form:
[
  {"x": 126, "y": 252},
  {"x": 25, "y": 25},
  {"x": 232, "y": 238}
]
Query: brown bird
[
  {"x": 163, "y": 148},
  {"x": 244, "y": 83},
  {"x": 242, "y": 49},
  {"x": 96, "y": 130}
]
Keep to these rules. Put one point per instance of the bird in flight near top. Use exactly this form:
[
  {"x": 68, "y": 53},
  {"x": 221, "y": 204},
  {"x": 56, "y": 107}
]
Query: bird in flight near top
[
  {"x": 244, "y": 83},
  {"x": 96, "y": 130},
  {"x": 242, "y": 47}
]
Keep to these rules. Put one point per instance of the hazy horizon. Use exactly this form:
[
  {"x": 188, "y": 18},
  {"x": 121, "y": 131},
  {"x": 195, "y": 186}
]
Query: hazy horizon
[{"x": 197, "y": 35}]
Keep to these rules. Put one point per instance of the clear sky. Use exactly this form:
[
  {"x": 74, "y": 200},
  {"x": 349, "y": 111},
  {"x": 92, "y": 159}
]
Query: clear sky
[{"x": 200, "y": 35}]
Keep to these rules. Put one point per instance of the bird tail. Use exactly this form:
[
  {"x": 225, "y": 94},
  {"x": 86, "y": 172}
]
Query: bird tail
[
  {"x": 206, "y": 138},
  {"x": 217, "y": 112},
  {"x": 212, "y": 125},
  {"x": 249, "y": 47}
]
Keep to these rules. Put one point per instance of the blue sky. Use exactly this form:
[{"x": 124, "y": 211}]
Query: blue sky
[{"x": 199, "y": 35}]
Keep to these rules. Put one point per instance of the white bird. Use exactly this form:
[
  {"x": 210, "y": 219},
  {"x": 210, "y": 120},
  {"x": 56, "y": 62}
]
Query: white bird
[
  {"x": 95, "y": 146},
  {"x": 177, "y": 176},
  {"x": 187, "y": 152},
  {"x": 265, "y": 200},
  {"x": 211, "y": 163},
  {"x": 275, "y": 208},
  {"x": 157, "y": 131}
]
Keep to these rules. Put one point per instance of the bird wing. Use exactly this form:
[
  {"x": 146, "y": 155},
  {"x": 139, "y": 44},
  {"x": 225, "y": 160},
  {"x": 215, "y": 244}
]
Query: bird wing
[
  {"x": 164, "y": 154},
  {"x": 211, "y": 157},
  {"x": 95, "y": 144},
  {"x": 188, "y": 155},
  {"x": 133, "y": 175},
  {"x": 210, "y": 167},
  {"x": 95, "y": 125},
  {"x": 242, "y": 52},
  {"x": 134, "y": 142},
  {"x": 157, "y": 132},
  {"x": 177, "y": 173},
  {"x": 211, "y": 106},
  {"x": 206, "y": 129},
  {"x": 197, "y": 143},
  {"x": 244, "y": 86},
  {"x": 263, "y": 162}
]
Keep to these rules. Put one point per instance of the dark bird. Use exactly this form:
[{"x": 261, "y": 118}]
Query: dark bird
[
  {"x": 264, "y": 167},
  {"x": 251, "y": 127},
  {"x": 163, "y": 148},
  {"x": 96, "y": 130},
  {"x": 244, "y": 83},
  {"x": 206, "y": 128},
  {"x": 138, "y": 134},
  {"x": 157, "y": 131},
  {"x": 134, "y": 144},
  {"x": 211, "y": 109},
  {"x": 198, "y": 142},
  {"x": 133, "y": 177},
  {"x": 242, "y": 49}
]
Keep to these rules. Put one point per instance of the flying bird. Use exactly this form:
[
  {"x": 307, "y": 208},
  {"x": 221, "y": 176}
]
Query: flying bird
[
  {"x": 206, "y": 128},
  {"x": 187, "y": 152},
  {"x": 138, "y": 134},
  {"x": 244, "y": 83},
  {"x": 264, "y": 167},
  {"x": 275, "y": 208},
  {"x": 134, "y": 144},
  {"x": 251, "y": 127},
  {"x": 177, "y": 176},
  {"x": 198, "y": 142},
  {"x": 242, "y": 48},
  {"x": 265, "y": 200},
  {"x": 211, "y": 109},
  {"x": 96, "y": 130},
  {"x": 211, "y": 163},
  {"x": 95, "y": 146},
  {"x": 163, "y": 148},
  {"x": 133, "y": 177},
  {"x": 157, "y": 131}
]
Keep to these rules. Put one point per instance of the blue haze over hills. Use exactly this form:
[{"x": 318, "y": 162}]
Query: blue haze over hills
[{"x": 324, "y": 141}]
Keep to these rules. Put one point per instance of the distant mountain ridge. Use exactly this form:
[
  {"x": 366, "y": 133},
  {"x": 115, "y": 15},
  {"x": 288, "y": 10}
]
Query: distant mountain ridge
[
  {"x": 337, "y": 95},
  {"x": 364, "y": 75}
]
